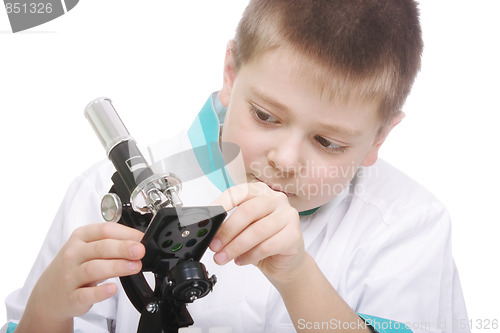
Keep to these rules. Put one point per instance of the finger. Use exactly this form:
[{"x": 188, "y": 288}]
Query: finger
[
  {"x": 235, "y": 195},
  {"x": 251, "y": 237},
  {"x": 98, "y": 270},
  {"x": 264, "y": 250},
  {"x": 113, "y": 249},
  {"x": 247, "y": 213},
  {"x": 273, "y": 246},
  {"x": 97, "y": 231},
  {"x": 84, "y": 298}
]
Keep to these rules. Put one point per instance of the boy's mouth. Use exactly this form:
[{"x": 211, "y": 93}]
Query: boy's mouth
[{"x": 276, "y": 188}]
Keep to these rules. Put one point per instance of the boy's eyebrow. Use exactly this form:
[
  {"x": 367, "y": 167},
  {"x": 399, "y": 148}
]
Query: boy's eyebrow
[
  {"x": 346, "y": 132},
  {"x": 268, "y": 99}
]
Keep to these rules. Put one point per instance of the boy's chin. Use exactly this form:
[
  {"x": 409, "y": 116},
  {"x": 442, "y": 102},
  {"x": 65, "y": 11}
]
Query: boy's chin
[
  {"x": 301, "y": 205},
  {"x": 304, "y": 204}
]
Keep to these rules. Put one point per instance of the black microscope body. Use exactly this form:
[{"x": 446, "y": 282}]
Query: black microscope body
[{"x": 175, "y": 237}]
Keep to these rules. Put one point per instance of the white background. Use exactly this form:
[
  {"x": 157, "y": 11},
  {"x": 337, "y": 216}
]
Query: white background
[{"x": 158, "y": 61}]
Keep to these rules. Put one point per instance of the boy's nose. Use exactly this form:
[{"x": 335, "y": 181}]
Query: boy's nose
[{"x": 286, "y": 155}]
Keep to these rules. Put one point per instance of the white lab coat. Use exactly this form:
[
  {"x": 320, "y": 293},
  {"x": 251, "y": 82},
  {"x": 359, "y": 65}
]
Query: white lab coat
[{"x": 384, "y": 244}]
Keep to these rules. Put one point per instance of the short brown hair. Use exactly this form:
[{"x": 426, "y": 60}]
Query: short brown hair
[{"x": 366, "y": 48}]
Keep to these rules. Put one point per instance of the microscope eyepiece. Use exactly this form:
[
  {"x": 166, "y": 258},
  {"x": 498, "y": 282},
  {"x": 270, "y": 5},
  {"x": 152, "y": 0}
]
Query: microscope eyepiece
[
  {"x": 106, "y": 123},
  {"x": 130, "y": 164}
]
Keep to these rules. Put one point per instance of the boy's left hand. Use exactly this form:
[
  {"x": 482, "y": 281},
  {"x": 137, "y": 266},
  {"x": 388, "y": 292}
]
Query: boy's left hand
[{"x": 263, "y": 230}]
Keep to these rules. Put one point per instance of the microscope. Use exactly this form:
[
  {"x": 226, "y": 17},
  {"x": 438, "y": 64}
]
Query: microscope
[{"x": 175, "y": 237}]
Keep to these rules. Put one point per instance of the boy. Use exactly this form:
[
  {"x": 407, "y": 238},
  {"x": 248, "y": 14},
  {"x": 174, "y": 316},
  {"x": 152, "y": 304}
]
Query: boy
[{"x": 311, "y": 90}]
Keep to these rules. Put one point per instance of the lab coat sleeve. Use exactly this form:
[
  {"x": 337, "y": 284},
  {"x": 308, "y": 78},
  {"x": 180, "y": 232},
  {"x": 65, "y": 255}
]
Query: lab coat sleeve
[
  {"x": 405, "y": 271},
  {"x": 79, "y": 207}
]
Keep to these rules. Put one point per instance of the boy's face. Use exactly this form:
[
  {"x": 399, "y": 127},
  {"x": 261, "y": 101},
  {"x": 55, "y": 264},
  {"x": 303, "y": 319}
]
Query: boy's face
[{"x": 292, "y": 139}]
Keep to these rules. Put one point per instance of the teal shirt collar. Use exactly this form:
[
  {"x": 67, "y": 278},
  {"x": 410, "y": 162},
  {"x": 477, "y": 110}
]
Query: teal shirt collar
[{"x": 204, "y": 131}]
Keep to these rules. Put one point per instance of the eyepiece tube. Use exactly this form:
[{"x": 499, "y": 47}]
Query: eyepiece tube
[
  {"x": 119, "y": 145},
  {"x": 106, "y": 123}
]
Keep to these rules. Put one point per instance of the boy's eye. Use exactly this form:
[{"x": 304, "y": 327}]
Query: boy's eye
[
  {"x": 263, "y": 116},
  {"x": 329, "y": 145}
]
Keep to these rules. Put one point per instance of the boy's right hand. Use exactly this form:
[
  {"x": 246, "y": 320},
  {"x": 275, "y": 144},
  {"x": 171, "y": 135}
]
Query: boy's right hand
[{"x": 69, "y": 286}]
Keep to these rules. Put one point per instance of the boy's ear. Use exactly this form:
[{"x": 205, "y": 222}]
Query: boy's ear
[
  {"x": 229, "y": 75},
  {"x": 372, "y": 155}
]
